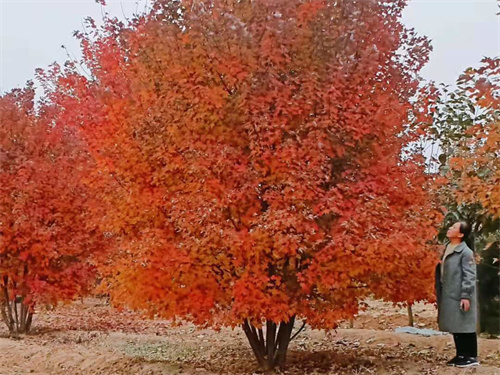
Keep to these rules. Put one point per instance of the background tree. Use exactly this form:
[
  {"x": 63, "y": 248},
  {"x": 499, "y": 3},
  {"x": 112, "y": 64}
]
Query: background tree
[
  {"x": 466, "y": 127},
  {"x": 251, "y": 152},
  {"x": 45, "y": 237}
]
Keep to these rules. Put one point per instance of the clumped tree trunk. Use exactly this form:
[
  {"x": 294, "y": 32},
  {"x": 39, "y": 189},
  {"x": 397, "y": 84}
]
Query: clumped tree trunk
[
  {"x": 270, "y": 348},
  {"x": 15, "y": 313}
]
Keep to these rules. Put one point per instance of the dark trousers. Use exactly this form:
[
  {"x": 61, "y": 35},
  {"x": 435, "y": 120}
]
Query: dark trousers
[{"x": 466, "y": 344}]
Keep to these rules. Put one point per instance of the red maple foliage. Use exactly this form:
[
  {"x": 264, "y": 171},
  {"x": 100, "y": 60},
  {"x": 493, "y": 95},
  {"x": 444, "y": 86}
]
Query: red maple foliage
[
  {"x": 251, "y": 156},
  {"x": 45, "y": 235}
]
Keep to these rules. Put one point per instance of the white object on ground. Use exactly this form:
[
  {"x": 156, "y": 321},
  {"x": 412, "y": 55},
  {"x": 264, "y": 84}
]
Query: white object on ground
[{"x": 418, "y": 331}]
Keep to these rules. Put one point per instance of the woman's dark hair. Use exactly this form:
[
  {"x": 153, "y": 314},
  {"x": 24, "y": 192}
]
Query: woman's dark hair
[{"x": 465, "y": 229}]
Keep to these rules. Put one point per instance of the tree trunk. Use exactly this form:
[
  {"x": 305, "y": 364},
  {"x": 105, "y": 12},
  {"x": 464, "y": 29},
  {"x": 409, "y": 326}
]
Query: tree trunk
[
  {"x": 7, "y": 307},
  {"x": 270, "y": 349},
  {"x": 26, "y": 319},
  {"x": 478, "y": 310},
  {"x": 410, "y": 315},
  {"x": 284, "y": 335}
]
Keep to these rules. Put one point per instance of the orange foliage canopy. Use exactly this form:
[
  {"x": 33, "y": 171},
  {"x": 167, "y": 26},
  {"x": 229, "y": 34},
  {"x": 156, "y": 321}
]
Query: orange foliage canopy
[
  {"x": 45, "y": 235},
  {"x": 251, "y": 157}
]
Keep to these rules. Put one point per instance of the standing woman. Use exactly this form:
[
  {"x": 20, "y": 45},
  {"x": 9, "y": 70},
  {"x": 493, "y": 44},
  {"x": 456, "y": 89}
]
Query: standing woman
[{"x": 456, "y": 295}]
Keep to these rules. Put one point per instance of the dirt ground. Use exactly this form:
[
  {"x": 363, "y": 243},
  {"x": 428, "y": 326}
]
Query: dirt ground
[{"x": 89, "y": 337}]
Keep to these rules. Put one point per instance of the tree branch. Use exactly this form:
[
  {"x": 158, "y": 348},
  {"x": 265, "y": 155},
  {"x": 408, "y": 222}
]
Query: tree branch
[{"x": 300, "y": 329}]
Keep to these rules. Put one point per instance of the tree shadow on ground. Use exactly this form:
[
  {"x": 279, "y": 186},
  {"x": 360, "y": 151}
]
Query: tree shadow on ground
[{"x": 298, "y": 362}]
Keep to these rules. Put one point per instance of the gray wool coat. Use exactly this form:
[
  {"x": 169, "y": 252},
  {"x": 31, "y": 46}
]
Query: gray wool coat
[{"x": 459, "y": 282}]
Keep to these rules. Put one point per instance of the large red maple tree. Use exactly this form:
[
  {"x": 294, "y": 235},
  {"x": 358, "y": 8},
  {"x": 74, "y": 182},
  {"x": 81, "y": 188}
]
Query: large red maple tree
[
  {"x": 251, "y": 152},
  {"x": 45, "y": 234}
]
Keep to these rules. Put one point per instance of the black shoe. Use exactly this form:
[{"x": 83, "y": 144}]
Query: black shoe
[
  {"x": 467, "y": 362},
  {"x": 453, "y": 362}
]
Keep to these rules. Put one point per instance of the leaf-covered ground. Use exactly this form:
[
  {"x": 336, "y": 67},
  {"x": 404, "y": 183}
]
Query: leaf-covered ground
[{"x": 91, "y": 338}]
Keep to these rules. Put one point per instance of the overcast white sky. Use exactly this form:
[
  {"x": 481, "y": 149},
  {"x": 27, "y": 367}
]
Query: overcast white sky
[{"x": 32, "y": 32}]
